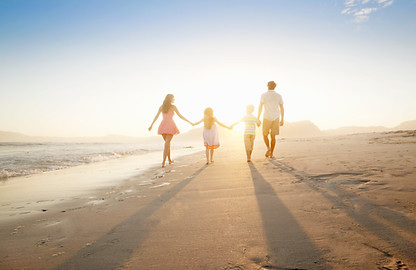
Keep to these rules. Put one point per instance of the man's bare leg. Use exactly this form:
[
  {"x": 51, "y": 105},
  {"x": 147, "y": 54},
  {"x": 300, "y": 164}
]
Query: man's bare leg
[
  {"x": 272, "y": 145},
  {"x": 266, "y": 141}
]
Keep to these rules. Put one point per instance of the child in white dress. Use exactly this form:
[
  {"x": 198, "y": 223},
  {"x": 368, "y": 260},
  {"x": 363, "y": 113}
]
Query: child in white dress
[{"x": 210, "y": 133}]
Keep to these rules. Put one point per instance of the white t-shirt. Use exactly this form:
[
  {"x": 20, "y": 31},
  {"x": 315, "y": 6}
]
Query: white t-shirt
[{"x": 271, "y": 101}]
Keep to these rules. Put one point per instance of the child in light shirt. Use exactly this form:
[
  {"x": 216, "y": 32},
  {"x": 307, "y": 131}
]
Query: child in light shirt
[{"x": 250, "y": 122}]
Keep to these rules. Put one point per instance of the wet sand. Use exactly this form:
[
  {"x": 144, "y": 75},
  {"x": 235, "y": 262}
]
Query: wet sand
[{"x": 345, "y": 202}]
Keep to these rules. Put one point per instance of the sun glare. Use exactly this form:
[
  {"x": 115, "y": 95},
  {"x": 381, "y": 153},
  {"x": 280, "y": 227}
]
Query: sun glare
[{"x": 239, "y": 128}]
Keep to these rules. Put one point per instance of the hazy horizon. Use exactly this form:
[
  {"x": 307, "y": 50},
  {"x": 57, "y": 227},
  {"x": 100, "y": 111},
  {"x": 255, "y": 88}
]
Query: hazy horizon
[
  {"x": 88, "y": 68},
  {"x": 297, "y": 129}
]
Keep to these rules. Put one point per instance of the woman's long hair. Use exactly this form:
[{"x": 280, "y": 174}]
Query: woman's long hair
[
  {"x": 167, "y": 103},
  {"x": 208, "y": 118}
]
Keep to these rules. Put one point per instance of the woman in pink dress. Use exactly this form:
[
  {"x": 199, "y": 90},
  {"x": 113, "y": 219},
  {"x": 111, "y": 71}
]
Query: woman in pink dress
[{"x": 167, "y": 127}]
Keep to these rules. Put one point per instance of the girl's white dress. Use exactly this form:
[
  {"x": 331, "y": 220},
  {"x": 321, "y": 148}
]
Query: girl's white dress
[{"x": 211, "y": 140}]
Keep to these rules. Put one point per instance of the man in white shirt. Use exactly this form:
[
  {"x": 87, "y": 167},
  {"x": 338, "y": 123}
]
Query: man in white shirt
[{"x": 273, "y": 116}]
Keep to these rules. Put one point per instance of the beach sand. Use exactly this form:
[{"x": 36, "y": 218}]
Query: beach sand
[{"x": 344, "y": 202}]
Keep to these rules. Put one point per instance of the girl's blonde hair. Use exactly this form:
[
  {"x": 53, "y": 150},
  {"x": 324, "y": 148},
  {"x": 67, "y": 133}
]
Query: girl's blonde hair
[
  {"x": 208, "y": 118},
  {"x": 167, "y": 103}
]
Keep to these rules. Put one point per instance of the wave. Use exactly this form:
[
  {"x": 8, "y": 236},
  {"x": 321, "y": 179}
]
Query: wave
[{"x": 21, "y": 159}]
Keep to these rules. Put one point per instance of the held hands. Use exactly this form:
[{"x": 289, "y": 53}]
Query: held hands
[{"x": 258, "y": 123}]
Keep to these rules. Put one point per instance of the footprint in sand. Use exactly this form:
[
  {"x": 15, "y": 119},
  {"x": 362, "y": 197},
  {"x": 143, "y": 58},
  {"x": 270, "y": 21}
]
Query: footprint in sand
[
  {"x": 72, "y": 209},
  {"x": 57, "y": 254},
  {"x": 158, "y": 176},
  {"x": 43, "y": 242},
  {"x": 16, "y": 230}
]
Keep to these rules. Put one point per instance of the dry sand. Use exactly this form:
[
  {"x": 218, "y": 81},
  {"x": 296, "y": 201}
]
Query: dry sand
[{"x": 345, "y": 202}]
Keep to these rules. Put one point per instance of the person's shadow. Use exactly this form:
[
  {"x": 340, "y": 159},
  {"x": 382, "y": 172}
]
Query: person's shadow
[
  {"x": 369, "y": 215},
  {"x": 289, "y": 247},
  {"x": 114, "y": 248}
]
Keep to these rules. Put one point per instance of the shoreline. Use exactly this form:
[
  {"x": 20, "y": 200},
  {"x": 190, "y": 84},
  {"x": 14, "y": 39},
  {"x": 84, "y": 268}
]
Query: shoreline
[
  {"x": 96, "y": 211},
  {"x": 32, "y": 194},
  {"x": 324, "y": 203}
]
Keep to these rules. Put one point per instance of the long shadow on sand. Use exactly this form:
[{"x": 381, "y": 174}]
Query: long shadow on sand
[
  {"x": 288, "y": 245},
  {"x": 114, "y": 248},
  {"x": 367, "y": 215}
]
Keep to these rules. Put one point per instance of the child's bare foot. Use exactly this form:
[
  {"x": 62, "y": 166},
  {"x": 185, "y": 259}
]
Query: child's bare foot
[
  {"x": 171, "y": 161},
  {"x": 163, "y": 165},
  {"x": 267, "y": 153},
  {"x": 248, "y": 160},
  {"x": 207, "y": 163}
]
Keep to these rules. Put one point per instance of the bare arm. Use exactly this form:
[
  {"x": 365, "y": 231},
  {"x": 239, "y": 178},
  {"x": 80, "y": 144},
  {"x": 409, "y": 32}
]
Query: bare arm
[
  {"x": 282, "y": 114},
  {"x": 181, "y": 116},
  {"x": 221, "y": 124},
  {"x": 260, "y": 110},
  {"x": 156, "y": 117},
  {"x": 199, "y": 122},
  {"x": 236, "y": 123}
]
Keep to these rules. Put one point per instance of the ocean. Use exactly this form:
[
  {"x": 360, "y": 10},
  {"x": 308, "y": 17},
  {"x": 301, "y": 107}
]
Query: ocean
[
  {"x": 35, "y": 176},
  {"x": 22, "y": 159}
]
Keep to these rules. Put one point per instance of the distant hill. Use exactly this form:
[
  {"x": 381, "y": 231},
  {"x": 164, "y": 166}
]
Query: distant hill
[
  {"x": 192, "y": 135},
  {"x": 353, "y": 129},
  {"x": 6, "y": 136},
  {"x": 300, "y": 129},
  {"x": 408, "y": 125},
  {"x": 290, "y": 129}
]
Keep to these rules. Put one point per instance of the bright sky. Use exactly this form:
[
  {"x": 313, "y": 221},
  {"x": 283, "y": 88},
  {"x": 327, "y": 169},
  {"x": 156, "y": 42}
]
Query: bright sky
[{"x": 91, "y": 68}]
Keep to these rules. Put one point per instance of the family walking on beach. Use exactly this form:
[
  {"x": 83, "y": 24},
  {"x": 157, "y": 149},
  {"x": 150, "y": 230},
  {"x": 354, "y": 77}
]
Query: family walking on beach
[{"x": 273, "y": 117}]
